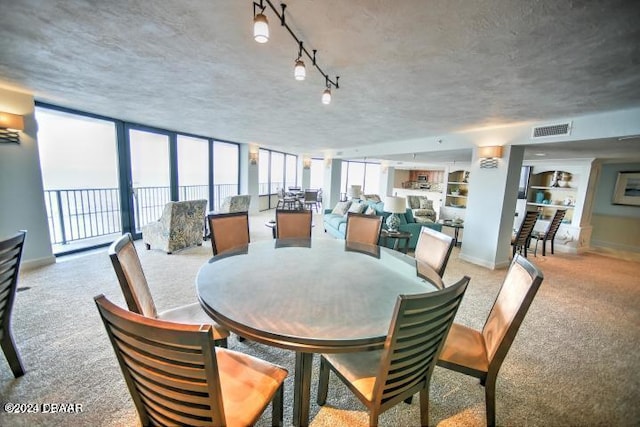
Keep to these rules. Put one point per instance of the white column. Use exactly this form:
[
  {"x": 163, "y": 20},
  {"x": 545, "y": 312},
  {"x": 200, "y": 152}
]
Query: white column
[
  {"x": 249, "y": 177},
  {"x": 491, "y": 207},
  {"x": 305, "y": 181},
  {"x": 332, "y": 178}
]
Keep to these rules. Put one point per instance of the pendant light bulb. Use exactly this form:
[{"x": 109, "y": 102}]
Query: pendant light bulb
[
  {"x": 299, "y": 71},
  {"x": 260, "y": 28},
  {"x": 326, "y": 96}
]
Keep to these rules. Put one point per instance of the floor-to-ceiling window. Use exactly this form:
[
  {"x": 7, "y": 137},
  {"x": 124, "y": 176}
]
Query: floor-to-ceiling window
[
  {"x": 104, "y": 176},
  {"x": 79, "y": 161},
  {"x": 226, "y": 171},
  {"x": 276, "y": 171},
  {"x": 291, "y": 170},
  {"x": 150, "y": 175},
  {"x": 316, "y": 179},
  {"x": 193, "y": 168},
  {"x": 364, "y": 174}
]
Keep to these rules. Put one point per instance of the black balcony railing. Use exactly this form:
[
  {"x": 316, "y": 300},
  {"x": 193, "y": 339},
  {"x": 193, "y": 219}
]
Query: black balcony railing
[{"x": 76, "y": 214}]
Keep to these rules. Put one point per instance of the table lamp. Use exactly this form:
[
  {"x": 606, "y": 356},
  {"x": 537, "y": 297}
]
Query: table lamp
[{"x": 394, "y": 205}]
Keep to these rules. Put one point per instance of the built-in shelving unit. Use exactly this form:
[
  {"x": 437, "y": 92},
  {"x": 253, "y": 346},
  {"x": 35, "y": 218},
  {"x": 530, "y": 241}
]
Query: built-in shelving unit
[
  {"x": 552, "y": 190},
  {"x": 457, "y": 189}
]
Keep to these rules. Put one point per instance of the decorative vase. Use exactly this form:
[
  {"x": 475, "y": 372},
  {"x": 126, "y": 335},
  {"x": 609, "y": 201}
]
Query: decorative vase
[
  {"x": 539, "y": 196},
  {"x": 393, "y": 221}
]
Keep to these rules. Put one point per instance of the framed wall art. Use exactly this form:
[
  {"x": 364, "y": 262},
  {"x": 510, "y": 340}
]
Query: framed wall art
[{"x": 627, "y": 190}]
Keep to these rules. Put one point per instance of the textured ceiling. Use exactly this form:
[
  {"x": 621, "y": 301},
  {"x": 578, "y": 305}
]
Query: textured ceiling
[{"x": 408, "y": 69}]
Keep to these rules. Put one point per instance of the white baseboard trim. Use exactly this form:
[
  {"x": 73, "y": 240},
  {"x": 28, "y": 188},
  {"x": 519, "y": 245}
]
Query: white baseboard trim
[
  {"x": 483, "y": 262},
  {"x": 615, "y": 246},
  {"x": 36, "y": 263}
]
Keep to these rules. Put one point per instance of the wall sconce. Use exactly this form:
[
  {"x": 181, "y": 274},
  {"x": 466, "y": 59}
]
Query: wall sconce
[
  {"x": 384, "y": 167},
  {"x": 306, "y": 163},
  {"x": 253, "y": 158},
  {"x": 327, "y": 162},
  {"x": 10, "y": 125},
  {"x": 489, "y": 156}
]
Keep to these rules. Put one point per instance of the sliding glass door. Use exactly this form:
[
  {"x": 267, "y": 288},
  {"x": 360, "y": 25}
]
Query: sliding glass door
[{"x": 150, "y": 187}]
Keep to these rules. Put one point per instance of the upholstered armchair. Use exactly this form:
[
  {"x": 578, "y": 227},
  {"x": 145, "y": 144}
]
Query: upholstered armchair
[
  {"x": 232, "y": 204},
  {"x": 180, "y": 226},
  {"x": 422, "y": 208}
]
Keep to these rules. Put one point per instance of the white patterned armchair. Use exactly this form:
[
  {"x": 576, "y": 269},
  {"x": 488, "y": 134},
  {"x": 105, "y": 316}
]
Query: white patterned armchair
[
  {"x": 180, "y": 226},
  {"x": 422, "y": 208},
  {"x": 235, "y": 204}
]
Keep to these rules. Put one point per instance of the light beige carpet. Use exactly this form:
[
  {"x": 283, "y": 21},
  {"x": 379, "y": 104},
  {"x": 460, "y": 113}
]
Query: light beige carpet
[{"x": 574, "y": 362}]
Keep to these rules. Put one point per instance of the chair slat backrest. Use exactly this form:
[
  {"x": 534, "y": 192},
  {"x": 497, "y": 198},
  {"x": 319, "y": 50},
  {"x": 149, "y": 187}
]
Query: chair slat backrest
[
  {"x": 512, "y": 303},
  {"x": 293, "y": 224},
  {"x": 310, "y": 195},
  {"x": 363, "y": 228},
  {"x": 133, "y": 282},
  {"x": 170, "y": 369},
  {"x": 416, "y": 335},
  {"x": 228, "y": 231},
  {"x": 554, "y": 224},
  {"x": 10, "y": 256},
  {"x": 433, "y": 248},
  {"x": 529, "y": 221}
]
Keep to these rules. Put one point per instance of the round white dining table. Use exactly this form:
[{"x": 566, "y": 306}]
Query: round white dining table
[{"x": 309, "y": 296}]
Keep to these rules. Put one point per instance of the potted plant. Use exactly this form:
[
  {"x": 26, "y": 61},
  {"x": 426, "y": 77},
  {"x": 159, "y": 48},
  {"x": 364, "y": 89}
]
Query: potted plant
[{"x": 455, "y": 191}]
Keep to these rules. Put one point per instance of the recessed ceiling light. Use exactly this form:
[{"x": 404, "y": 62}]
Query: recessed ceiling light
[{"x": 541, "y": 154}]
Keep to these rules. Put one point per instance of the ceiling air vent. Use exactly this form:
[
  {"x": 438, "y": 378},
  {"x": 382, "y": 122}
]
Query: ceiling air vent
[{"x": 552, "y": 130}]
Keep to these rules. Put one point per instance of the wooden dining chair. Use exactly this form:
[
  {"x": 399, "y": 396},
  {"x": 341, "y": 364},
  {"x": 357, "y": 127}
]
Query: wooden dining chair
[
  {"x": 135, "y": 288},
  {"x": 293, "y": 224},
  {"x": 549, "y": 235},
  {"x": 228, "y": 231},
  {"x": 520, "y": 242},
  {"x": 363, "y": 228},
  {"x": 432, "y": 250},
  {"x": 310, "y": 200},
  {"x": 380, "y": 379},
  {"x": 481, "y": 353},
  {"x": 176, "y": 376},
  {"x": 10, "y": 256}
]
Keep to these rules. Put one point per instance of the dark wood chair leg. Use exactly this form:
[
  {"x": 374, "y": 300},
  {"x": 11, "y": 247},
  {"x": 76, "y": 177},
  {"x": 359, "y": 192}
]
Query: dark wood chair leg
[
  {"x": 552, "y": 245},
  {"x": 11, "y": 353},
  {"x": 424, "y": 407},
  {"x": 323, "y": 382},
  {"x": 277, "y": 407},
  {"x": 490, "y": 397}
]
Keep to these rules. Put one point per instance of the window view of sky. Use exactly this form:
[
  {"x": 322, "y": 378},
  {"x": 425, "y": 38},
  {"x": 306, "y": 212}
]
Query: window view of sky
[{"x": 76, "y": 152}]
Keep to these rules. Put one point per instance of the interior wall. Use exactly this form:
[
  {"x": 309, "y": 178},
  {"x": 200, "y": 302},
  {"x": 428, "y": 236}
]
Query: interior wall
[
  {"x": 401, "y": 175},
  {"x": 21, "y": 189},
  {"x": 614, "y": 226}
]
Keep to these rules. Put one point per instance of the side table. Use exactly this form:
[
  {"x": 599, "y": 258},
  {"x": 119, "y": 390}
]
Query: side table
[
  {"x": 398, "y": 236},
  {"x": 457, "y": 226}
]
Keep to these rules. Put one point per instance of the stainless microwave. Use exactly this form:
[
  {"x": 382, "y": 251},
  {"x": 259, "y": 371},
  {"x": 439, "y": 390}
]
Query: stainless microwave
[{"x": 422, "y": 178}]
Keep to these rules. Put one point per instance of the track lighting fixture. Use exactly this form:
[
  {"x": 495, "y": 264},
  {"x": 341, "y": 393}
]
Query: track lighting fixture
[
  {"x": 260, "y": 24},
  {"x": 326, "y": 95},
  {"x": 299, "y": 72},
  {"x": 261, "y": 35}
]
